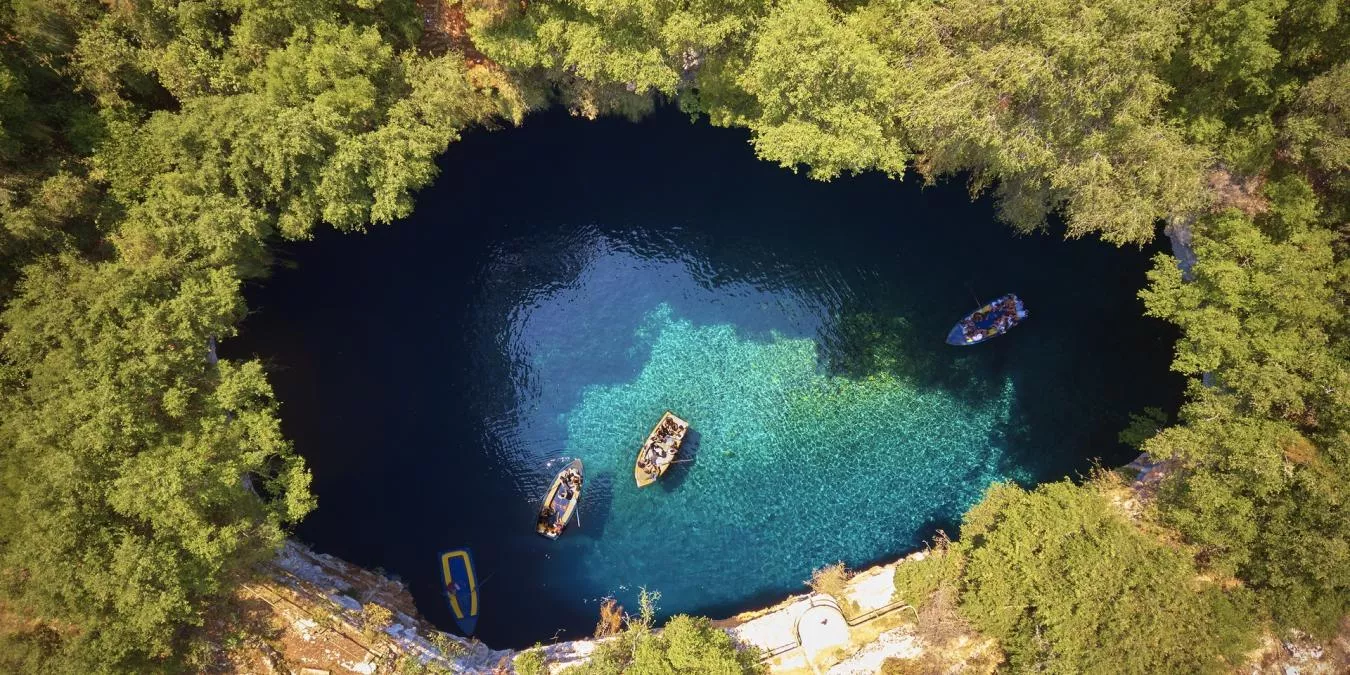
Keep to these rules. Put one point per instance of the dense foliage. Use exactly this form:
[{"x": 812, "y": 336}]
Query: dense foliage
[
  {"x": 1264, "y": 439},
  {"x": 1266, "y": 450},
  {"x": 685, "y": 644},
  {"x": 1053, "y": 104},
  {"x": 151, "y": 150},
  {"x": 1090, "y": 591}
]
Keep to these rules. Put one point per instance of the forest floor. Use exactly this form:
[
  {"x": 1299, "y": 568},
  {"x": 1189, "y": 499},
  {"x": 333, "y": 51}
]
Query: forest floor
[{"x": 445, "y": 28}]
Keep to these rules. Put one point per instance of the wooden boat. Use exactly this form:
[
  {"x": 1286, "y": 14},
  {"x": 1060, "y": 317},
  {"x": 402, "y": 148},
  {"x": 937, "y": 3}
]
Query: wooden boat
[
  {"x": 461, "y": 585},
  {"x": 560, "y": 502},
  {"x": 660, "y": 449},
  {"x": 989, "y": 321}
]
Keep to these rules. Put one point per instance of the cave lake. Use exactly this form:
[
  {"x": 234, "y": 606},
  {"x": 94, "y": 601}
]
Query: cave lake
[{"x": 564, "y": 283}]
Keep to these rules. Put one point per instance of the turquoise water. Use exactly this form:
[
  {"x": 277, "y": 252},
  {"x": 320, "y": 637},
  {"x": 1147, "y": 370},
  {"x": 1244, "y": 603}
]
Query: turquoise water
[
  {"x": 565, "y": 283},
  {"x": 789, "y": 461}
]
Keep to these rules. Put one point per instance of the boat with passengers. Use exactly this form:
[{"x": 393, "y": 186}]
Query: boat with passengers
[
  {"x": 989, "y": 321},
  {"x": 560, "y": 502},
  {"x": 660, "y": 449}
]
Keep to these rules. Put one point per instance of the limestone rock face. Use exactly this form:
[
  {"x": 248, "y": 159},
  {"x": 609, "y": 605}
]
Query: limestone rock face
[{"x": 324, "y": 613}]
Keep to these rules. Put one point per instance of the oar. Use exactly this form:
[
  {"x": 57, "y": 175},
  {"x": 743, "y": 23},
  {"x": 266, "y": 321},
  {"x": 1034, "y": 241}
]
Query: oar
[
  {"x": 978, "y": 302},
  {"x": 578, "y": 511}
]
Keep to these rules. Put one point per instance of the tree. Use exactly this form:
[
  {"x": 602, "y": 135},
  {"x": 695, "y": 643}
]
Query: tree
[
  {"x": 1259, "y": 314},
  {"x": 1316, "y": 135},
  {"x": 47, "y": 202},
  {"x": 824, "y": 93},
  {"x": 127, "y": 456},
  {"x": 1057, "y": 104},
  {"x": 684, "y": 645},
  {"x": 1262, "y": 454},
  {"x": 141, "y": 480},
  {"x": 646, "y": 45},
  {"x": 1068, "y": 585}
]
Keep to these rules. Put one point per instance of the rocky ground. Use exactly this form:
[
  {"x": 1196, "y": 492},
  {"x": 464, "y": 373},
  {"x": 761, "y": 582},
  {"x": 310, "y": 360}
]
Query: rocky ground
[{"x": 312, "y": 614}]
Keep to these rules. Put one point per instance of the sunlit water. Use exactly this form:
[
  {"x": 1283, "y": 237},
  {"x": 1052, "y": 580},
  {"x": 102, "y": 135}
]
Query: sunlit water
[{"x": 564, "y": 284}]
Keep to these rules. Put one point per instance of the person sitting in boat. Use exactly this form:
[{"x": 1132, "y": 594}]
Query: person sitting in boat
[
  {"x": 1002, "y": 323},
  {"x": 969, "y": 330}
]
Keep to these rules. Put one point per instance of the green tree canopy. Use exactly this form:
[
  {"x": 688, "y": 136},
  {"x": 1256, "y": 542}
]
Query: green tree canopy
[
  {"x": 686, "y": 644},
  {"x": 1263, "y": 455},
  {"x": 128, "y": 458},
  {"x": 1059, "y": 105},
  {"x": 1068, "y": 585},
  {"x": 1259, "y": 314},
  {"x": 140, "y": 479}
]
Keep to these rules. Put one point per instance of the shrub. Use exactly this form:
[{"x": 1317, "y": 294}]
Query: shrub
[
  {"x": 611, "y": 618},
  {"x": 686, "y": 645},
  {"x": 895, "y": 666},
  {"x": 832, "y": 580},
  {"x": 446, "y": 645},
  {"x": 374, "y": 619},
  {"x": 916, "y": 580},
  {"x": 931, "y": 586},
  {"x": 531, "y": 662},
  {"x": 1063, "y": 580}
]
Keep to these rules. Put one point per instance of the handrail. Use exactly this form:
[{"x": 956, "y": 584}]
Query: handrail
[
  {"x": 879, "y": 611},
  {"x": 828, "y": 601}
]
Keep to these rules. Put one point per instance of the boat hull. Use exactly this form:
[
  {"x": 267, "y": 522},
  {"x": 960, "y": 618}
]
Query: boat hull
[
  {"x": 461, "y": 587},
  {"x": 647, "y": 473},
  {"x": 560, "y": 502},
  {"x": 983, "y": 324}
]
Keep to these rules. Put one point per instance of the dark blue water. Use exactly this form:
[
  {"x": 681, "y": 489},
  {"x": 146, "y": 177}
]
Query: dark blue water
[{"x": 564, "y": 283}]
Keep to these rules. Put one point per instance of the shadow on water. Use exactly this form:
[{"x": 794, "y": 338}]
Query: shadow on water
[
  {"x": 862, "y": 344},
  {"x": 596, "y": 507}
]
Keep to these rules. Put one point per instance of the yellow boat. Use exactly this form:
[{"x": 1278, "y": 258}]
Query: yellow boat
[
  {"x": 461, "y": 586},
  {"x": 560, "y": 501},
  {"x": 659, "y": 452}
]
